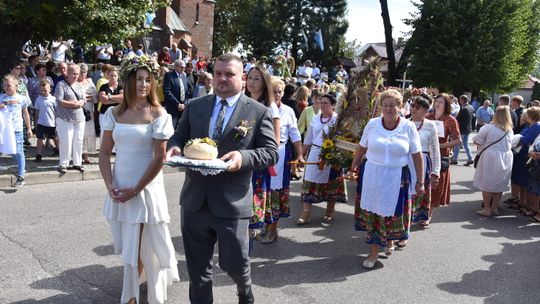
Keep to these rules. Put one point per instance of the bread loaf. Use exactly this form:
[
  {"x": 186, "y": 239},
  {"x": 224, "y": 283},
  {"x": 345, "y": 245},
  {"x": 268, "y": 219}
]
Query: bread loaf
[{"x": 201, "y": 149}]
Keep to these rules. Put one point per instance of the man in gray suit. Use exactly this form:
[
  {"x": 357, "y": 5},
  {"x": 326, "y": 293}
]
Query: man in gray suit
[{"x": 218, "y": 208}]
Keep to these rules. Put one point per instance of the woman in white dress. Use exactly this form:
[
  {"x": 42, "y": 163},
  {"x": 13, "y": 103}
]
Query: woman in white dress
[
  {"x": 383, "y": 200},
  {"x": 432, "y": 159},
  {"x": 277, "y": 205},
  {"x": 326, "y": 184},
  {"x": 136, "y": 204},
  {"x": 494, "y": 168},
  {"x": 89, "y": 140}
]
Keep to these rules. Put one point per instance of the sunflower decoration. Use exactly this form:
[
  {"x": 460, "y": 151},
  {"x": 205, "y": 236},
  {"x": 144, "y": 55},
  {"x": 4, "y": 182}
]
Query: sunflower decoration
[{"x": 355, "y": 108}]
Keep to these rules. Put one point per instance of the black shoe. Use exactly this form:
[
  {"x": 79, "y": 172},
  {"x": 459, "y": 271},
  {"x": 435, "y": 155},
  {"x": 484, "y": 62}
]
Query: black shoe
[
  {"x": 20, "y": 182},
  {"x": 247, "y": 298},
  {"x": 38, "y": 158},
  {"x": 469, "y": 162},
  {"x": 62, "y": 169},
  {"x": 453, "y": 162},
  {"x": 56, "y": 152},
  {"x": 79, "y": 168}
]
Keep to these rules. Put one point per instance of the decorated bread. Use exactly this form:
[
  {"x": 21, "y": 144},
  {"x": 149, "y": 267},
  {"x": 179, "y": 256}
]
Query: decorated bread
[{"x": 201, "y": 148}]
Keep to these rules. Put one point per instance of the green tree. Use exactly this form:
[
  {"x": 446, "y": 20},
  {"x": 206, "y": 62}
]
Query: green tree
[
  {"x": 89, "y": 22},
  {"x": 464, "y": 45},
  {"x": 263, "y": 26}
]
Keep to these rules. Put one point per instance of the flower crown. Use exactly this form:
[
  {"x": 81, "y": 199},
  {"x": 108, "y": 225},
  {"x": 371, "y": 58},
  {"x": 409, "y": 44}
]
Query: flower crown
[{"x": 134, "y": 63}]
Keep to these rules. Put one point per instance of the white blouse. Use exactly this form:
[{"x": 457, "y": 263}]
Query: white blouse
[
  {"x": 314, "y": 136},
  {"x": 430, "y": 143},
  {"x": 390, "y": 148},
  {"x": 288, "y": 125}
]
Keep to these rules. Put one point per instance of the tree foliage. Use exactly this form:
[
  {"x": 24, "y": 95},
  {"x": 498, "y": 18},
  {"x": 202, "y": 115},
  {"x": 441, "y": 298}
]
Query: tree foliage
[
  {"x": 464, "y": 45},
  {"x": 89, "y": 22},
  {"x": 265, "y": 26}
]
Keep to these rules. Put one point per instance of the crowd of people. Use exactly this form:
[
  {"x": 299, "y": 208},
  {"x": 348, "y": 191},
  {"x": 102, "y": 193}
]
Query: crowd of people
[{"x": 147, "y": 113}]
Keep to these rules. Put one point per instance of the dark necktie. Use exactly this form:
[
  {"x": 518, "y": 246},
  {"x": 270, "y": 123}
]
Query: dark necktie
[{"x": 220, "y": 119}]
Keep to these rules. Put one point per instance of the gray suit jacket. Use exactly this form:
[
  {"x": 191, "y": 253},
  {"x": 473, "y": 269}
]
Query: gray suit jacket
[{"x": 229, "y": 195}]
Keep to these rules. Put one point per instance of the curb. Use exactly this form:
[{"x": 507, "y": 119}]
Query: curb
[{"x": 51, "y": 177}]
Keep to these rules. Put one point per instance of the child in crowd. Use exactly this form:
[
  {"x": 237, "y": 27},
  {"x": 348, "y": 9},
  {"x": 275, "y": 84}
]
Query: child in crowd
[
  {"x": 46, "y": 125},
  {"x": 18, "y": 108}
]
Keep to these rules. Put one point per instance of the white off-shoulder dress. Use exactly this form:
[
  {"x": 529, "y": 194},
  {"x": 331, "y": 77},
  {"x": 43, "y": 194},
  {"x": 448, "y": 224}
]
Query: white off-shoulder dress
[{"x": 134, "y": 152}]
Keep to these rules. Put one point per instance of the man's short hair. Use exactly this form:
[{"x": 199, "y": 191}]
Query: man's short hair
[
  {"x": 229, "y": 57},
  {"x": 517, "y": 99},
  {"x": 179, "y": 63},
  {"x": 505, "y": 99}
]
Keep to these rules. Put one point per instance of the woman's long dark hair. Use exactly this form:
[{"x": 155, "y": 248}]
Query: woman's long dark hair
[{"x": 267, "y": 96}]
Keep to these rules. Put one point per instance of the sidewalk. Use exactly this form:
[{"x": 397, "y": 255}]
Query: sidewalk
[{"x": 45, "y": 172}]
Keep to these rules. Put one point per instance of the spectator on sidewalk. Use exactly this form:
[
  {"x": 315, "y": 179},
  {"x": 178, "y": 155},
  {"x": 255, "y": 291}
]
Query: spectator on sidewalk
[
  {"x": 89, "y": 140},
  {"x": 110, "y": 94},
  {"x": 492, "y": 175},
  {"x": 175, "y": 52},
  {"x": 46, "y": 124},
  {"x": 34, "y": 86},
  {"x": 70, "y": 99},
  {"x": 16, "y": 104},
  {"x": 483, "y": 115},
  {"x": 515, "y": 105},
  {"x": 504, "y": 100},
  {"x": 464, "y": 118},
  {"x": 164, "y": 57}
]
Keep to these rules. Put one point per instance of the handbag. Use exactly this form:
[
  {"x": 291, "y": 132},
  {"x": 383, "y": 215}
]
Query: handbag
[
  {"x": 87, "y": 114},
  {"x": 477, "y": 157},
  {"x": 445, "y": 163}
]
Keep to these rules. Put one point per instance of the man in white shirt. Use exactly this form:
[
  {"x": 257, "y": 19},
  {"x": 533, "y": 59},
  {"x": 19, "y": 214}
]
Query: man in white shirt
[
  {"x": 305, "y": 72},
  {"x": 58, "y": 50},
  {"x": 316, "y": 72}
]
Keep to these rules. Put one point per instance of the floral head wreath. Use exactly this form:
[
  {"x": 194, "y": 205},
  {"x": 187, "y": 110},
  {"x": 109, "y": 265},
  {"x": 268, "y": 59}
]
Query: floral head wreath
[{"x": 134, "y": 63}]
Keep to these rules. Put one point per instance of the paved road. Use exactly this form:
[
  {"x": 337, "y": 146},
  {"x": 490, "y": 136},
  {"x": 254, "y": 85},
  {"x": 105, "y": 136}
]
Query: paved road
[{"x": 55, "y": 247}]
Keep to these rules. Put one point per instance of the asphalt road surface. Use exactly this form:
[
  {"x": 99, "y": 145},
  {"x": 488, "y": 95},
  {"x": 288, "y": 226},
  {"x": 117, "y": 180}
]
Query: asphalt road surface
[{"x": 56, "y": 247}]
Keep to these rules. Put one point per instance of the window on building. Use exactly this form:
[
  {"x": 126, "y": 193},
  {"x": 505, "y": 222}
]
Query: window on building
[{"x": 197, "y": 14}]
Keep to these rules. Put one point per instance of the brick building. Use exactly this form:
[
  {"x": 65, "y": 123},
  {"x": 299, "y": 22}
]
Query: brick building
[{"x": 188, "y": 23}]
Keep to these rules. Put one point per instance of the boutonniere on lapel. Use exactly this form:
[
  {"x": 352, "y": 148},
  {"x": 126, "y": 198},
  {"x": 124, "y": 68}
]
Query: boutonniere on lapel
[{"x": 242, "y": 129}]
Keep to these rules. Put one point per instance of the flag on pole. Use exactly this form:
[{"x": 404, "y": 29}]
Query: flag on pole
[
  {"x": 148, "y": 18},
  {"x": 319, "y": 39}
]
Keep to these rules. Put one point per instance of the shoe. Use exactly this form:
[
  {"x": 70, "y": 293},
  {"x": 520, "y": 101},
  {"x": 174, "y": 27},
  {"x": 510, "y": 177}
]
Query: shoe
[
  {"x": 27, "y": 143},
  {"x": 511, "y": 201},
  {"x": 19, "y": 182},
  {"x": 79, "y": 168},
  {"x": 56, "y": 152},
  {"x": 388, "y": 250},
  {"x": 85, "y": 159},
  {"x": 469, "y": 162},
  {"x": 38, "y": 158},
  {"x": 425, "y": 223},
  {"x": 535, "y": 219},
  {"x": 496, "y": 212},
  {"x": 402, "y": 243},
  {"x": 62, "y": 169},
  {"x": 369, "y": 264},
  {"x": 295, "y": 177},
  {"x": 328, "y": 218},
  {"x": 304, "y": 220},
  {"x": 268, "y": 238},
  {"x": 247, "y": 298},
  {"x": 482, "y": 212},
  {"x": 453, "y": 162}
]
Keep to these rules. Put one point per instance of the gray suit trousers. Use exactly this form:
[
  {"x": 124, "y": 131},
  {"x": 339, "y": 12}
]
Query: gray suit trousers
[{"x": 200, "y": 231}]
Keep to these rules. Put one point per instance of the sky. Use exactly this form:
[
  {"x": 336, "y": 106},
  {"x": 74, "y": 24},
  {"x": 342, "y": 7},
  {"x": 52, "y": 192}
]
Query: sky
[{"x": 366, "y": 24}]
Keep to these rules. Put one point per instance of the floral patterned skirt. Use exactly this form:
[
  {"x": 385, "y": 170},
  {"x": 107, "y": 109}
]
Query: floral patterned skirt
[
  {"x": 382, "y": 229},
  {"x": 422, "y": 203},
  {"x": 277, "y": 206},
  {"x": 260, "y": 182},
  {"x": 333, "y": 191}
]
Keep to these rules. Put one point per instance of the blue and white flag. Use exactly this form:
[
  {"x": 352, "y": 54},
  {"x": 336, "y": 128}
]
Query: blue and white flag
[{"x": 319, "y": 39}]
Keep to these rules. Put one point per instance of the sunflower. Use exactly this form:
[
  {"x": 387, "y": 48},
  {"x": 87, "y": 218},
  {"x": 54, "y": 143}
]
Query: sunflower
[
  {"x": 328, "y": 156},
  {"x": 327, "y": 143}
]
